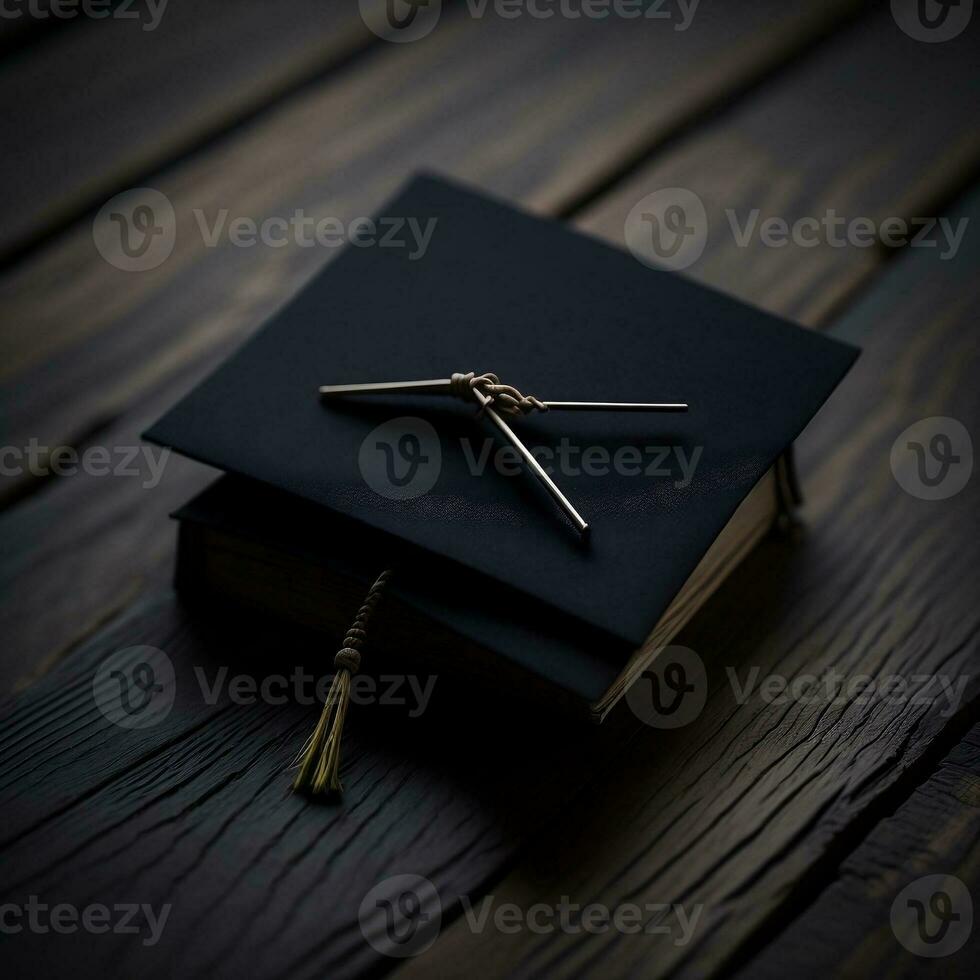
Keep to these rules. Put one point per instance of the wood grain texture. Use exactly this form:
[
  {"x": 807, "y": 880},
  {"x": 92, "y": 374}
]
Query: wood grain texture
[
  {"x": 196, "y": 811},
  {"x": 726, "y": 814},
  {"x": 101, "y": 101},
  {"x": 833, "y": 142},
  {"x": 476, "y": 87},
  {"x": 847, "y": 932},
  {"x": 728, "y": 811},
  {"x": 95, "y": 354}
]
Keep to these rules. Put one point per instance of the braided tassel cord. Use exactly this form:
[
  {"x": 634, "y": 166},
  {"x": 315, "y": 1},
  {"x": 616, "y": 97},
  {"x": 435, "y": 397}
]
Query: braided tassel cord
[{"x": 319, "y": 760}]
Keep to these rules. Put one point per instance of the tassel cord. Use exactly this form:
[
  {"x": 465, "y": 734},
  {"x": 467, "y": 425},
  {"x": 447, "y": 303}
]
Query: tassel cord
[{"x": 319, "y": 759}]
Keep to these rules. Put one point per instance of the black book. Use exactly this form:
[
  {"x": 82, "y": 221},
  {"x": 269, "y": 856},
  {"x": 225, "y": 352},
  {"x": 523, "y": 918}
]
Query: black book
[{"x": 489, "y": 578}]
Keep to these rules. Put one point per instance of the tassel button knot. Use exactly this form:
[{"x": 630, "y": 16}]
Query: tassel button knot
[{"x": 347, "y": 659}]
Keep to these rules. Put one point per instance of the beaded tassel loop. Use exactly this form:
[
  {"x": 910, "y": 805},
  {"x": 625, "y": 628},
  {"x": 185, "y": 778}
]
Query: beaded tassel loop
[{"x": 319, "y": 760}]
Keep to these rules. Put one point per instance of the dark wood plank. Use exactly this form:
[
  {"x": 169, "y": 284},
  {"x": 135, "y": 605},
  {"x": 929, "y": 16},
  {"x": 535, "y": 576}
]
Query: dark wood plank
[
  {"x": 477, "y": 88},
  {"x": 80, "y": 356},
  {"x": 100, "y": 102},
  {"x": 835, "y": 136},
  {"x": 196, "y": 811},
  {"x": 848, "y": 931},
  {"x": 812, "y": 577},
  {"x": 193, "y": 812},
  {"x": 726, "y": 814}
]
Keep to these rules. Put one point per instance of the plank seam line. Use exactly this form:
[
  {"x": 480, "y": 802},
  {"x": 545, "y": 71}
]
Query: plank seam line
[
  {"x": 769, "y": 71},
  {"x": 951, "y": 199}
]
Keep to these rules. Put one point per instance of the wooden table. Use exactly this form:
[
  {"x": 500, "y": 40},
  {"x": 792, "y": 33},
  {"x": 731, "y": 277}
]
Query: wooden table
[{"x": 785, "y": 828}]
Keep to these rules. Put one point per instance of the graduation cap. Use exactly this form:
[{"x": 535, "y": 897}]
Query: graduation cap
[{"x": 552, "y": 311}]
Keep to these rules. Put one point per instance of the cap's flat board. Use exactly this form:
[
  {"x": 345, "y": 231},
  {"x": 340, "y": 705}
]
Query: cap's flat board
[{"x": 558, "y": 315}]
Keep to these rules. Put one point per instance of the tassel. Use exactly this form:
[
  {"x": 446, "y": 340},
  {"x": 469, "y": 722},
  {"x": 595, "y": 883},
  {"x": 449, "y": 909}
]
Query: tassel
[{"x": 319, "y": 760}]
